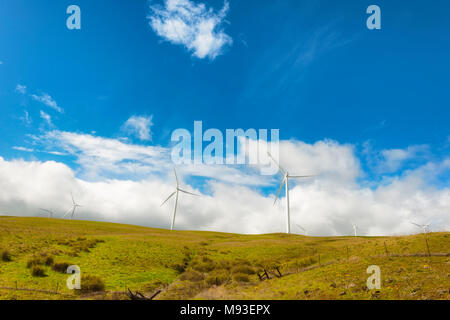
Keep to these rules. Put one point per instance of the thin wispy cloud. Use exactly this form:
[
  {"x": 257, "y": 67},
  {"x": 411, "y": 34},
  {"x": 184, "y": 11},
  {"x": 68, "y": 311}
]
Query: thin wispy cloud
[
  {"x": 23, "y": 149},
  {"x": 192, "y": 25},
  {"x": 21, "y": 89},
  {"x": 46, "y": 117},
  {"x": 47, "y": 100},
  {"x": 26, "y": 118},
  {"x": 139, "y": 126}
]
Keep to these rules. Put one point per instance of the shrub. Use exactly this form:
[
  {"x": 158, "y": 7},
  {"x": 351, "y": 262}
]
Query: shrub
[
  {"x": 205, "y": 266},
  {"x": 178, "y": 268},
  {"x": 49, "y": 261},
  {"x": 91, "y": 283},
  {"x": 216, "y": 279},
  {"x": 192, "y": 276},
  {"x": 37, "y": 271},
  {"x": 60, "y": 266},
  {"x": 244, "y": 269},
  {"x": 240, "y": 277},
  {"x": 6, "y": 256},
  {"x": 34, "y": 262}
]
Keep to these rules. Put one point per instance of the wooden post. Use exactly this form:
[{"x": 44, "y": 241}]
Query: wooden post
[
  {"x": 385, "y": 249},
  {"x": 319, "y": 261},
  {"x": 347, "y": 252},
  {"x": 428, "y": 247}
]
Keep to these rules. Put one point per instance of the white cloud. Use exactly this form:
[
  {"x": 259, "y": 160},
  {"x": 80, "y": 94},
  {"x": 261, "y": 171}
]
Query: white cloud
[
  {"x": 392, "y": 160},
  {"x": 47, "y": 100},
  {"x": 21, "y": 89},
  {"x": 140, "y": 126},
  {"x": 192, "y": 25},
  {"x": 46, "y": 117},
  {"x": 26, "y": 118},
  {"x": 324, "y": 205},
  {"x": 23, "y": 149}
]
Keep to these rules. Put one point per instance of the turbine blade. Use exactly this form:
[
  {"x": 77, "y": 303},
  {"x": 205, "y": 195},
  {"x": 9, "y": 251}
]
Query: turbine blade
[
  {"x": 279, "y": 167},
  {"x": 299, "y": 177},
  {"x": 73, "y": 201},
  {"x": 279, "y": 190},
  {"x": 417, "y": 225},
  {"x": 168, "y": 198},
  {"x": 299, "y": 226},
  {"x": 192, "y": 194},
  {"x": 65, "y": 214},
  {"x": 176, "y": 177}
]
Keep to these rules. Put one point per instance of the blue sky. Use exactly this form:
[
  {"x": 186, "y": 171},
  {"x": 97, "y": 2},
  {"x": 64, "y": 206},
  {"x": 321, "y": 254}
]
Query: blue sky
[{"x": 309, "y": 68}]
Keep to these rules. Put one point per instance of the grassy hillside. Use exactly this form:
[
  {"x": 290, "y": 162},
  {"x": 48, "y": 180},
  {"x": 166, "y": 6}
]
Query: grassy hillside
[{"x": 34, "y": 253}]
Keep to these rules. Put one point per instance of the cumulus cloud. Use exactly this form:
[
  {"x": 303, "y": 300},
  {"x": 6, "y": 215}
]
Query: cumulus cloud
[
  {"x": 325, "y": 205},
  {"x": 47, "y": 100},
  {"x": 192, "y": 25},
  {"x": 139, "y": 126}
]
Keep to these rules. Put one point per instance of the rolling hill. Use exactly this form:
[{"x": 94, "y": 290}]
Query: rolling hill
[{"x": 35, "y": 253}]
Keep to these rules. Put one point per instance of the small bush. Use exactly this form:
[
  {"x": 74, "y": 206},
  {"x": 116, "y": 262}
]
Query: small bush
[
  {"x": 34, "y": 262},
  {"x": 91, "y": 283},
  {"x": 60, "y": 266},
  {"x": 204, "y": 266},
  {"x": 49, "y": 261},
  {"x": 240, "y": 277},
  {"x": 216, "y": 279},
  {"x": 37, "y": 271},
  {"x": 192, "y": 276},
  {"x": 178, "y": 268},
  {"x": 6, "y": 256},
  {"x": 243, "y": 269}
]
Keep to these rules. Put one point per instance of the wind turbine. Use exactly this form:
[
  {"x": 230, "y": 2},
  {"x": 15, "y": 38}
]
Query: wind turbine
[
  {"x": 74, "y": 207},
  {"x": 301, "y": 228},
  {"x": 285, "y": 181},
  {"x": 424, "y": 227},
  {"x": 49, "y": 212},
  {"x": 176, "y": 194},
  {"x": 355, "y": 228}
]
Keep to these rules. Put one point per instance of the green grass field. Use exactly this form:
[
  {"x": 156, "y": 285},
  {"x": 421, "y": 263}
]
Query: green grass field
[{"x": 34, "y": 253}]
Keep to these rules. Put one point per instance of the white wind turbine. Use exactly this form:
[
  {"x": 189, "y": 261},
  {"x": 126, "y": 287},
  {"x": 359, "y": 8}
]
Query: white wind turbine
[
  {"x": 176, "y": 194},
  {"x": 285, "y": 181},
  {"x": 74, "y": 208},
  {"x": 424, "y": 227},
  {"x": 301, "y": 228},
  {"x": 355, "y": 228},
  {"x": 49, "y": 212}
]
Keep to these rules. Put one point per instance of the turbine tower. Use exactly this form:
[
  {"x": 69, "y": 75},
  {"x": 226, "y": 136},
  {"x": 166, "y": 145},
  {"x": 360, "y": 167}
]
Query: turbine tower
[
  {"x": 49, "y": 212},
  {"x": 355, "y": 228},
  {"x": 176, "y": 194},
  {"x": 424, "y": 227},
  {"x": 74, "y": 207},
  {"x": 285, "y": 181}
]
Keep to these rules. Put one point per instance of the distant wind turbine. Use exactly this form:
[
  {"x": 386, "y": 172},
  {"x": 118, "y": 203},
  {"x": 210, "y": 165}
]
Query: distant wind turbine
[
  {"x": 176, "y": 194},
  {"x": 424, "y": 227},
  {"x": 49, "y": 212},
  {"x": 74, "y": 207},
  {"x": 301, "y": 228},
  {"x": 355, "y": 228},
  {"x": 285, "y": 181}
]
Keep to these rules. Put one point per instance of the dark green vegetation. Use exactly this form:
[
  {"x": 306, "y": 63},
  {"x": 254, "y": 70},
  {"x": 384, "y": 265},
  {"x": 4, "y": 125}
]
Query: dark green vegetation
[{"x": 35, "y": 254}]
